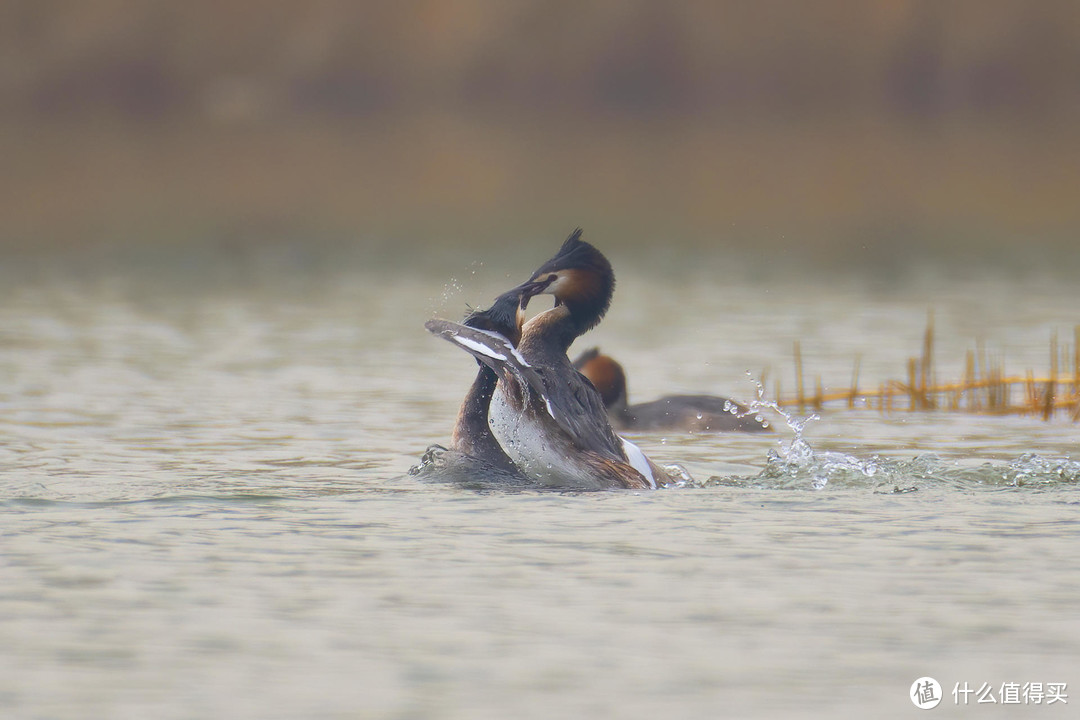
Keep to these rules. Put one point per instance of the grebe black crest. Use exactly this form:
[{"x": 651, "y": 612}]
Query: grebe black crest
[{"x": 580, "y": 277}]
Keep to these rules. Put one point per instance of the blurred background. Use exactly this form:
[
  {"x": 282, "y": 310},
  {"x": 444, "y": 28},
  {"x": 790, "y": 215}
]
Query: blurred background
[{"x": 842, "y": 134}]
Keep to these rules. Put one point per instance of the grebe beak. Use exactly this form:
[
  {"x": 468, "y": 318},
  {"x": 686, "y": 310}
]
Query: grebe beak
[{"x": 527, "y": 290}]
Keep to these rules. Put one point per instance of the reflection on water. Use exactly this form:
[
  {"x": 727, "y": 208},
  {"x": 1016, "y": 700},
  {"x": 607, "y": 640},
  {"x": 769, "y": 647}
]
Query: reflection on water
[{"x": 207, "y": 513}]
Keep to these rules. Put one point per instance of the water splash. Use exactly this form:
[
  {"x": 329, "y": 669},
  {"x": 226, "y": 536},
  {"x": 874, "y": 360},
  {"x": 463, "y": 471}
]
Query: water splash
[
  {"x": 734, "y": 409},
  {"x": 796, "y": 464},
  {"x": 451, "y": 289},
  {"x": 797, "y": 457},
  {"x": 1031, "y": 469},
  {"x": 443, "y": 304},
  {"x": 428, "y": 460},
  {"x": 679, "y": 474}
]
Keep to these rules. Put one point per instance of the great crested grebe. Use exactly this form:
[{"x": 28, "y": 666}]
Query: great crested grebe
[
  {"x": 474, "y": 455},
  {"x": 548, "y": 418},
  {"x": 692, "y": 413}
]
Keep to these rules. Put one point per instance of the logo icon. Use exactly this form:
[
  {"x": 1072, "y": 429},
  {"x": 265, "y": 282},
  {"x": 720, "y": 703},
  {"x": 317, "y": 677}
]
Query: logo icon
[{"x": 925, "y": 693}]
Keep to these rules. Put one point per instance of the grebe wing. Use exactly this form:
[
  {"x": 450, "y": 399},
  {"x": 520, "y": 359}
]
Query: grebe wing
[
  {"x": 579, "y": 410},
  {"x": 574, "y": 404},
  {"x": 490, "y": 348}
]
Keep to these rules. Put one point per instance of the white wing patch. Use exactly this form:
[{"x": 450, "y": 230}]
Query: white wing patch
[
  {"x": 638, "y": 461},
  {"x": 478, "y": 347},
  {"x": 551, "y": 410},
  {"x": 505, "y": 343},
  {"x": 519, "y": 356}
]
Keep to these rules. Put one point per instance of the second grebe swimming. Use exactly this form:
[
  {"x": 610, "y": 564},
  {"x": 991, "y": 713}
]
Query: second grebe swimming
[
  {"x": 693, "y": 413},
  {"x": 549, "y": 418}
]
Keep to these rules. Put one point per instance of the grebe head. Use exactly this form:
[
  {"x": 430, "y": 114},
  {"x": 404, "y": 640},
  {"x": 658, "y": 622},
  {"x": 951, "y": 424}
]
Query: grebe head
[
  {"x": 580, "y": 277},
  {"x": 606, "y": 375},
  {"x": 507, "y": 314}
]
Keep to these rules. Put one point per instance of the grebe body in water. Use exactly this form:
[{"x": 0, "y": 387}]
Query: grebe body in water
[{"x": 689, "y": 413}]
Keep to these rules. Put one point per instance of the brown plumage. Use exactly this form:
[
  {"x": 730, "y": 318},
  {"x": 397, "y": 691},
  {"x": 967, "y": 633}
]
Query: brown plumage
[
  {"x": 557, "y": 430},
  {"x": 606, "y": 375}
]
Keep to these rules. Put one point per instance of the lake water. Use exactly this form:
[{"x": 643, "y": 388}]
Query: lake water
[{"x": 206, "y": 510}]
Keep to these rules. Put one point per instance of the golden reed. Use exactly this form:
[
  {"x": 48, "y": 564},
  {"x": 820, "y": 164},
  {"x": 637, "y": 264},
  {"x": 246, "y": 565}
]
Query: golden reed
[{"x": 984, "y": 388}]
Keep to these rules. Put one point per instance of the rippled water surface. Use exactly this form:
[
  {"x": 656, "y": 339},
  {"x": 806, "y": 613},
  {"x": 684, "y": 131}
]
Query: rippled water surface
[{"x": 206, "y": 511}]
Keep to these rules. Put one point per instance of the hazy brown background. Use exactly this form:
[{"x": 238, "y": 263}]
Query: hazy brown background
[{"x": 850, "y": 130}]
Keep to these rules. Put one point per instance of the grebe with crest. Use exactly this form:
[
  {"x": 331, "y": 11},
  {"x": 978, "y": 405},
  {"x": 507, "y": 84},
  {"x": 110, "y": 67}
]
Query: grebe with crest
[{"x": 546, "y": 416}]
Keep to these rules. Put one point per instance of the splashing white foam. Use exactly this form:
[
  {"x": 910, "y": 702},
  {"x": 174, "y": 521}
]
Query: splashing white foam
[
  {"x": 796, "y": 464},
  {"x": 795, "y": 460}
]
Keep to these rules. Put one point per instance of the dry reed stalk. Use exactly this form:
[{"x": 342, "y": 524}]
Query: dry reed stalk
[
  {"x": 969, "y": 380},
  {"x": 1048, "y": 405},
  {"x": 926, "y": 362},
  {"x": 956, "y": 395},
  {"x": 1076, "y": 373},
  {"x": 984, "y": 386},
  {"x": 1032, "y": 394},
  {"x": 996, "y": 385},
  {"x": 980, "y": 359},
  {"x": 913, "y": 398},
  {"x": 997, "y": 388},
  {"x": 1076, "y": 370}
]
